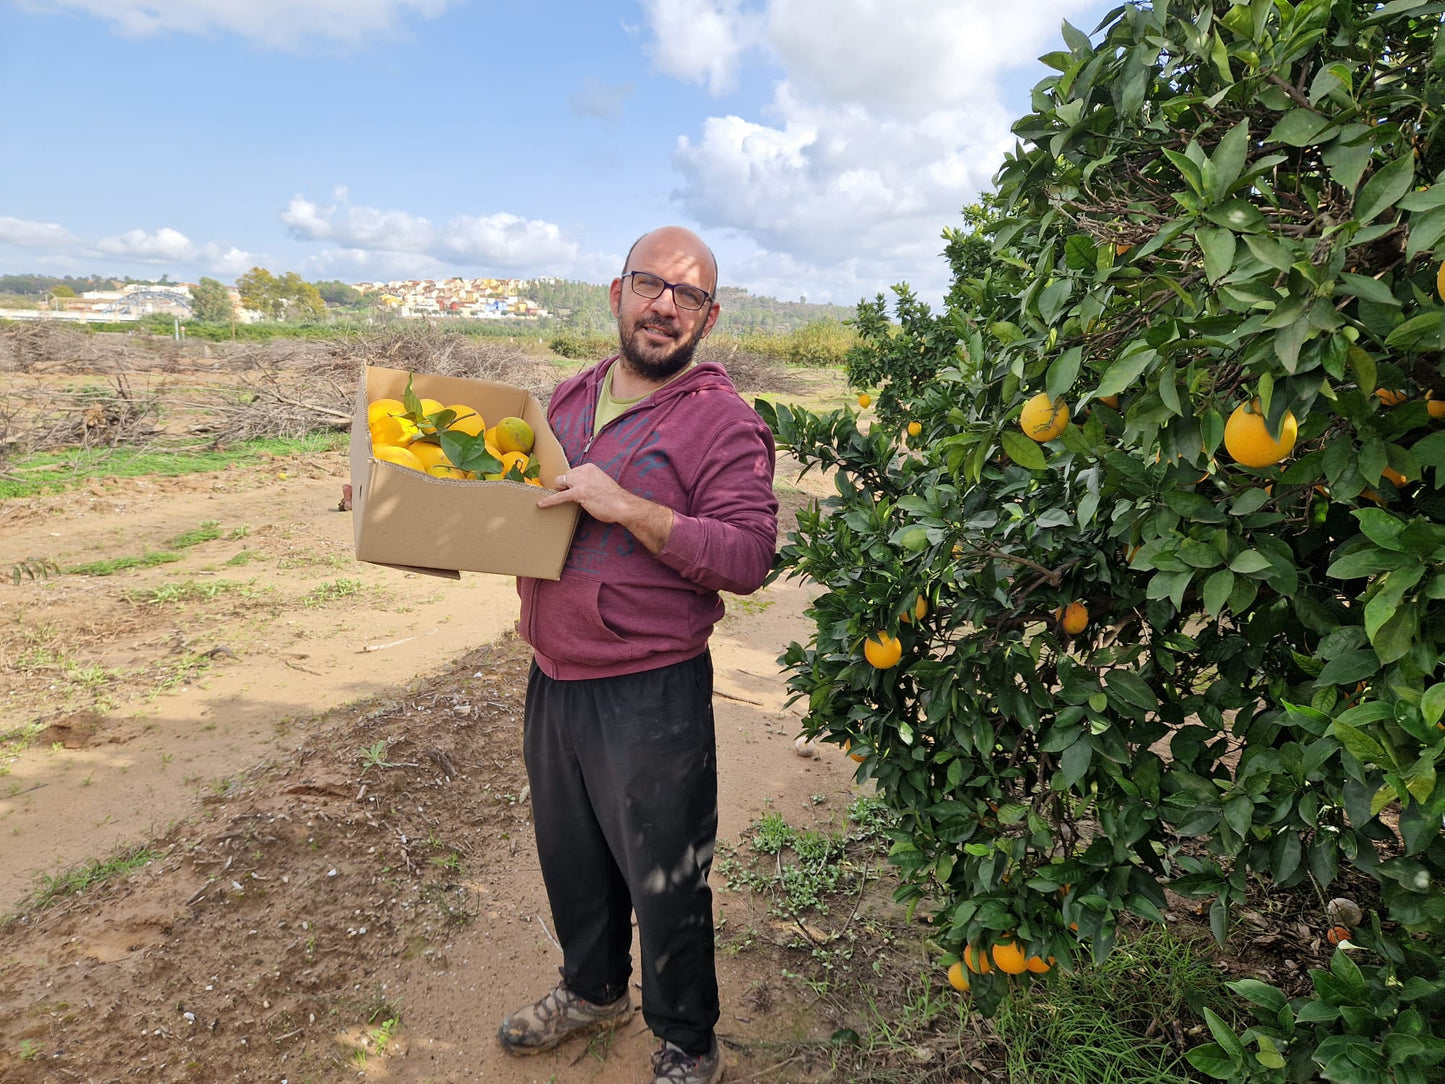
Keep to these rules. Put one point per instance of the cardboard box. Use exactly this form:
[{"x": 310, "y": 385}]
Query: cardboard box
[{"x": 444, "y": 526}]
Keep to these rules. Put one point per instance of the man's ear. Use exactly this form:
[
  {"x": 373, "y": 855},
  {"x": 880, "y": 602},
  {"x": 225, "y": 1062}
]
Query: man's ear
[
  {"x": 615, "y": 296},
  {"x": 712, "y": 316}
]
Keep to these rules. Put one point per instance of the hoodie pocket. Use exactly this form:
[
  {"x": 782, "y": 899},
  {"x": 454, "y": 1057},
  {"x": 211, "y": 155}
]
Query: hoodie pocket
[{"x": 566, "y": 624}]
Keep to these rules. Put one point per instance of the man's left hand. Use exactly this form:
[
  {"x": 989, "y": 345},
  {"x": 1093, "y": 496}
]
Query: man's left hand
[{"x": 603, "y": 499}]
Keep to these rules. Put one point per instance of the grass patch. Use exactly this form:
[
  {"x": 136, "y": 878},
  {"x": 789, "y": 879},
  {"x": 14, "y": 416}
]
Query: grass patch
[
  {"x": 1109, "y": 1022},
  {"x": 56, "y": 472},
  {"x": 187, "y": 591},
  {"x": 332, "y": 591},
  {"x": 123, "y": 564},
  {"x": 208, "y": 531},
  {"x": 87, "y": 876}
]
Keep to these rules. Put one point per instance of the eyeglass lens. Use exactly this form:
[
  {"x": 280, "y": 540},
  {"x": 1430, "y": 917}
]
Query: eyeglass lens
[{"x": 651, "y": 287}]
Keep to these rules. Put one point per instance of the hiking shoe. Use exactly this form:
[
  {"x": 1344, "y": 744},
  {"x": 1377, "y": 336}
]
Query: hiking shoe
[
  {"x": 671, "y": 1066},
  {"x": 558, "y": 1016}
]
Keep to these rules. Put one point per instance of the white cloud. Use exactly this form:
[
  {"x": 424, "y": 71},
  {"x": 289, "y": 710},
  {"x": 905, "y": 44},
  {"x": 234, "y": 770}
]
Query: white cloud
[
  {"x": 19, "y": 232},
  {"x": 504, "y": 243},
  {"x": 165, "y": 245},
  {"x": 885, "y": 120},
  {"x": 701, "y": 41},
  {"x": 283, "y": 24}
]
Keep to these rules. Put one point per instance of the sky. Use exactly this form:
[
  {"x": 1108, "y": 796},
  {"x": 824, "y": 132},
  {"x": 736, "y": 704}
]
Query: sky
[{"x": 819, "y": 146}]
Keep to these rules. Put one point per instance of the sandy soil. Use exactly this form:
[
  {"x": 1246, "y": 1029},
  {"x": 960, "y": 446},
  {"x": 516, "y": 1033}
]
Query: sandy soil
[{"x": 322, "y": 760}]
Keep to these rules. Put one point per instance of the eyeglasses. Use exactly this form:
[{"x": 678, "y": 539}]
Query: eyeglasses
[{"x": 651, "y": 287}]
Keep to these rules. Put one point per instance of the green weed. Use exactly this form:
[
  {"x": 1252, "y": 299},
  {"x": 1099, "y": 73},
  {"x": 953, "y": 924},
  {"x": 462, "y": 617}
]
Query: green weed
[
  {"x": 332, "y": 591},
  {"x": 123, "y": 564},
  {"x": 87, "y": 875},
  {"x": 208, "y": 531}
]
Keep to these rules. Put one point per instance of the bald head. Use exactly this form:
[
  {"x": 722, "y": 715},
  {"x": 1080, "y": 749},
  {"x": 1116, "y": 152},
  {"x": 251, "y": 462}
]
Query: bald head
[{"x": 672, "y": 242}]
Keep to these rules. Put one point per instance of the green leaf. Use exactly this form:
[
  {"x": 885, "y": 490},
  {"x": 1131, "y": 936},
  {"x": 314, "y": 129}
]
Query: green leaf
[
  {"x": 1423, "y": 332},
  {"x": 1388, "y": 184},
  {"x": 1063, "y": 371},
  {"x": 1298, "y": 128},
  {"x": 1425, "y": 230},
  {"x": 1211, "y": 1060},
  {"x": 1217, "y": 590},
  {"x": 1022, "y": 450},
  {"x": 1125, "y": 371},
  {"x": 1432, "y": 704},
  {"x": 1218, "y": 247},
  {"x": 1080, "y": 252},
  {"x": 1367, "y": 288},
  {"x": 1249, "y": 562},
  {"x": 1349, "y": 668},
  {"x": 1237, "y": 215}
]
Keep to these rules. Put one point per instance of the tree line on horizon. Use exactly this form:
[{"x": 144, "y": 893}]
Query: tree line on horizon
[{"x": 581, "y": 307}]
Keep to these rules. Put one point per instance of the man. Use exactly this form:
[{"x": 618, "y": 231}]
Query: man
[{"x": 674, "y": 475}]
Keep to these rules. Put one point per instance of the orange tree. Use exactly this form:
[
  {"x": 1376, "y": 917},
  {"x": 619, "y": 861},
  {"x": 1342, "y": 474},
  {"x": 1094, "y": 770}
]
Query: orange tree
[{"x": 1214, "y": 205}]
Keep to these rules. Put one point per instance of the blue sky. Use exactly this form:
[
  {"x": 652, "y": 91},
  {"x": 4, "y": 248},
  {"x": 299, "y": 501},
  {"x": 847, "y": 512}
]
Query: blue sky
[{"x": 820, "y": 146}]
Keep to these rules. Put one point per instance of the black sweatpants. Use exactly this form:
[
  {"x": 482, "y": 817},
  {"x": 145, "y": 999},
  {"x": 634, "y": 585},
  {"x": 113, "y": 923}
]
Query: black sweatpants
[{"x": 623, "y": 772}]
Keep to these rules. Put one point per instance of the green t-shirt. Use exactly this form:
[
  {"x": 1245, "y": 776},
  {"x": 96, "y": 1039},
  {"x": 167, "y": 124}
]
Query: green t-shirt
[{"x": 609, "y": 407}]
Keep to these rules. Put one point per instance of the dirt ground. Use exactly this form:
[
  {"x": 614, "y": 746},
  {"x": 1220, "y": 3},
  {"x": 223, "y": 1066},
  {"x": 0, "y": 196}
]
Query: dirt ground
[{"x": 313, "y": 766}]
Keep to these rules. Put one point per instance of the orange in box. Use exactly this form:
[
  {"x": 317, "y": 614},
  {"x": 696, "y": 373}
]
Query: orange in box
[{"x": 445, "y": 526}]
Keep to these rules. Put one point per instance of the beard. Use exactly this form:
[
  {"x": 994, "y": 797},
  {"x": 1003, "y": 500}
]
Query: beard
[{"x": 652, "y": 361}]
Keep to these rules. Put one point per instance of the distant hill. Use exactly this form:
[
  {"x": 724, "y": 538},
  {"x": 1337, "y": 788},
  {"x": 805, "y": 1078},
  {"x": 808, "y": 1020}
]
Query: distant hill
[
  {"x": 584, "y": 307},
  {"x": 576, "y": 306}
]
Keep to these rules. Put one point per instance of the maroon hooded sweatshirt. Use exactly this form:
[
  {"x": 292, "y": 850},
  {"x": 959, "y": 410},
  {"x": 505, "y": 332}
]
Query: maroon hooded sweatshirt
[{"x": 696, "y": 447}]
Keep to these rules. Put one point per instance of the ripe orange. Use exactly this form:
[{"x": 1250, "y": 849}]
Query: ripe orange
[
  {"x": 859, "y": 757},
  {"x": 394, "y": 453},
  {"x": 882, "y": 650},
  {"x": 514, "y": 435},
  {"x": 957, "y": 976},
  {"x": 864, "y": 399},
  {"x": 1010, "y": 958},
  {"x": 1440, "y": 282},
  {"x": 1043, "y": 418},
  {"x": 391, "y": 429},
  {"x": 515, "y": 459},
  {"x": 1390, "y": 397},
  {"x": 1038, "y": 965},
  {"x": 431, "y": 455},
  {"x": 1074, "y": 618},
  {"x": 446, "y": 470},
  {"x": 1436, "y": 407},
  {"x": 1247, "y": 439},
  {"x": 467, "y": 421},
  {"x": 920, "y": 611},
  {"x": 977, "y": 962},
  {"x": 1111, "y": 401},
  {"x": 431, "y": 406},
  {"x": 1396, "y": 478},
  {"x": 382, "y": 408},
  {"x": 915, "y": 428}
]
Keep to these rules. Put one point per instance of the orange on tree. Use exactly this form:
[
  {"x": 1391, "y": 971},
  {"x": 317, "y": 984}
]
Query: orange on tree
[
  {"x": 1248, "y": 441},
  {"x": 1111, "y": 401},
  {"x": 1391, "y": 396},
  {"x": 1395, "y": 477},
  {"x": 1038, "y": 965},
  {"x": 864, "y": 399},
  {"x": 1009, "y": 957},
  {"x": 847, "y": 745},
  {"x": 882, "y": 650},
  {"x": 977, "y": 962},
  {"x": 1043, "y": 419},
  {"x": 915, "y": 428},
  {"x": 957, "y": 976},
  {"x": 1440, "y": 281},
  {"x": 1073, "y": 618},
  {"x": 919, "y": 610},
  {"x": 1436, "y": 407}
]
